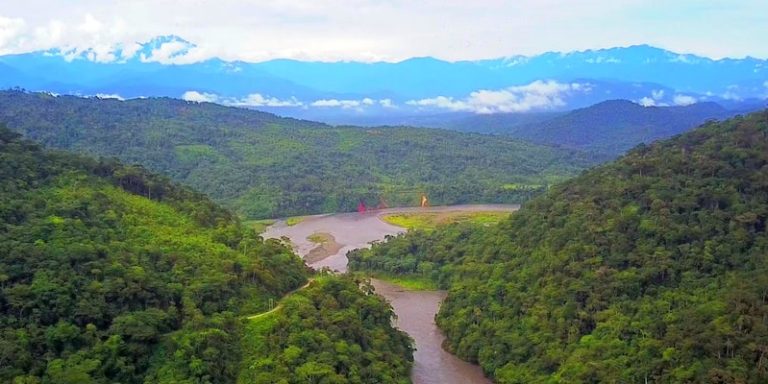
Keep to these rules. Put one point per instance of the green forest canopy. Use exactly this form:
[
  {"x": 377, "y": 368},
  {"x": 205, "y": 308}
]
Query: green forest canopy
[
  {"x": 262, "y": 165},
  {"x": 653, "y": 268},
  {"x": 331, "y": 332},
  {"x": 111, "y": 274}
]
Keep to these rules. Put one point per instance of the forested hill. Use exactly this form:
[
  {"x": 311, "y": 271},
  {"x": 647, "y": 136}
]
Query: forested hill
[
  {"x": 615, "y": 126},
  {"x": 653, "y": 269},
  {"x": 108, "y": 274},
  {"x": 263, "y": 165}
]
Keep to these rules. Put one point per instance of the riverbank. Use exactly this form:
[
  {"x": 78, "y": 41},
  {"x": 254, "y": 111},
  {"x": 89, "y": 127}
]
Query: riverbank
[
  {"x": 431, "y": 220},
  {"x": 411, "y": 283},
  {"x": 415, "y": 308}
]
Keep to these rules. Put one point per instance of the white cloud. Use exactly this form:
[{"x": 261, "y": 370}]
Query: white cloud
[
  {"x": 765, "y": 84},
  {"x": 732, "y": 93},
  {"x": 109, "y": 96},
  {"x": 10, "y": 30},
  {"x": 603, "y": 59},
  {"x": 685, "y": 59},
  {"x": 165, "y": 52},
  {"x": 330, "y": 30},
  {"x": 199, "y": 97},
  {"x": 647, "y": 102},
  {"x": 90, "y": 25},
  {"x": 129, "y": 50},
  {"x": 345, "y": 104},
  {"x": 539, "y": 95},
  {"x": 50, "y": 34},
  {"x": 439, "y": 102},
  {"x": 102, "y": 53},
  {"x": 252, "y": 100},
  {"x": 257, "y": 100},
  {"x": 684, "y": 100},
  {"x": 657, "y": 95}
]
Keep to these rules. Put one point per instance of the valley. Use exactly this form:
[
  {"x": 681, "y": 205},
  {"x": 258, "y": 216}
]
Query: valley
[
  {"x": 609, "y": 275},
  {"x": 415, "y": 310},
  {"x": 383, "y": 192}
]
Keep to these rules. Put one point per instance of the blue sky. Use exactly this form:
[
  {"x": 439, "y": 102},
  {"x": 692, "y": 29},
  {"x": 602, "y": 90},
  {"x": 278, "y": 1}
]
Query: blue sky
[{"x": 393, "y": 30}]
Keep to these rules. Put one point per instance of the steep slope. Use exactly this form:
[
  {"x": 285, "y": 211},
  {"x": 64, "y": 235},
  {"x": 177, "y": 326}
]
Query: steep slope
[
  {"x": 612, "y": 127},
  {"x": 330, "y": 332},
  {"x": 110, "y": 274},
  {"x": 263, "y": 165},
  {"x": 653, "y": 268},
  {"x": 106, "y": 270}
]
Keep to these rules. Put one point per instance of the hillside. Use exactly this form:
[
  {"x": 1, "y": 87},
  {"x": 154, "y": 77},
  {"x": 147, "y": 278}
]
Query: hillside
[
  {"x": 613, "y": 127},
  {"x": 111, "y": 274},
  {"x": 650, "y": 269},
  {"x": 262, "y": 165},
  {"x": 330, "y": 332}
]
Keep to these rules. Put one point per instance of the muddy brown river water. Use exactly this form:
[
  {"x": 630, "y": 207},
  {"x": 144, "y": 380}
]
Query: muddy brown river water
[{"x": 415, "y": 309}]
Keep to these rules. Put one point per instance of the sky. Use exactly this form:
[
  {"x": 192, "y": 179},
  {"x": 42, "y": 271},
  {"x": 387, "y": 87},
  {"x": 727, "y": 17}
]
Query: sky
[{"x": 387, "y": 30}]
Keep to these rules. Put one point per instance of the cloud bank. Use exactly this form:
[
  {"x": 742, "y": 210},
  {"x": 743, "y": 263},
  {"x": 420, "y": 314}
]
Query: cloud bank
[
  {"x": 539, "y": 95},
  {"x": 370, "y": 30},
  {"x": 684, "y": 100},
  {"x": 200, "y": 97},
  {"x": 259, "y": 100},
  {"x": 655, "y": 100}
]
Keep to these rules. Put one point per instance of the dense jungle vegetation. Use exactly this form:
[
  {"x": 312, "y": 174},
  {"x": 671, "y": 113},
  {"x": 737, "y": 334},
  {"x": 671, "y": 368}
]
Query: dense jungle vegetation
[
  {"x": 330, "y": 332},
  {"x": 111, "y": 274},
  {"x": 262, "y": 165},
  {"x": 653, "y": 269}
]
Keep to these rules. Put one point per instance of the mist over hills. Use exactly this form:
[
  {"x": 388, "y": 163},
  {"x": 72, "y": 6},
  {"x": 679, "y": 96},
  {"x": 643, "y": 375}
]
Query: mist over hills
[{"x": 357, "y": 91}]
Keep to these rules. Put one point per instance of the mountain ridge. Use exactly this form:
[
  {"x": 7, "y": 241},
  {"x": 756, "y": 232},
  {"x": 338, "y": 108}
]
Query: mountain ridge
[
  {"x": 411, "y": 86},
  {"x": 614, "y": 126}
]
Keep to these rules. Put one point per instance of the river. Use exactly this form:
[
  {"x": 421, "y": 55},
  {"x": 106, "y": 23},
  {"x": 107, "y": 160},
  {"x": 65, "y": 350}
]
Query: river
[{"x": 415, "y": 310}]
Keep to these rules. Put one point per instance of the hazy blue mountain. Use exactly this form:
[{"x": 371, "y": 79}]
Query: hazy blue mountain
[
  {"x": 612, "y": 127},
  {"x": 347, "y": 92}
]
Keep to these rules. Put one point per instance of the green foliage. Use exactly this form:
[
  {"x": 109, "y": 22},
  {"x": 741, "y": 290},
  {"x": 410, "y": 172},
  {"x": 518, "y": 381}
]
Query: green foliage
[
  {"x": 334, "y": 331},
  {"x": 291, "y": 221},
  {"x": 651, "y": 269},
  {"x": 111, "y": 274},
  {"x": 259, "y": 226},
  {"x": 262, "y": 165},
  {"x": 432, "y": 220},
  {"x": 319, "y": 238},
  {"x": 409, "y": 282}
]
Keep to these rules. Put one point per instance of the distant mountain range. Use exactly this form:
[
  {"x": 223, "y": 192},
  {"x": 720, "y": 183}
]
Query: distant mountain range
[
  {"x": 608, "y": 128},
  {"x": 344, "y": 92}
]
